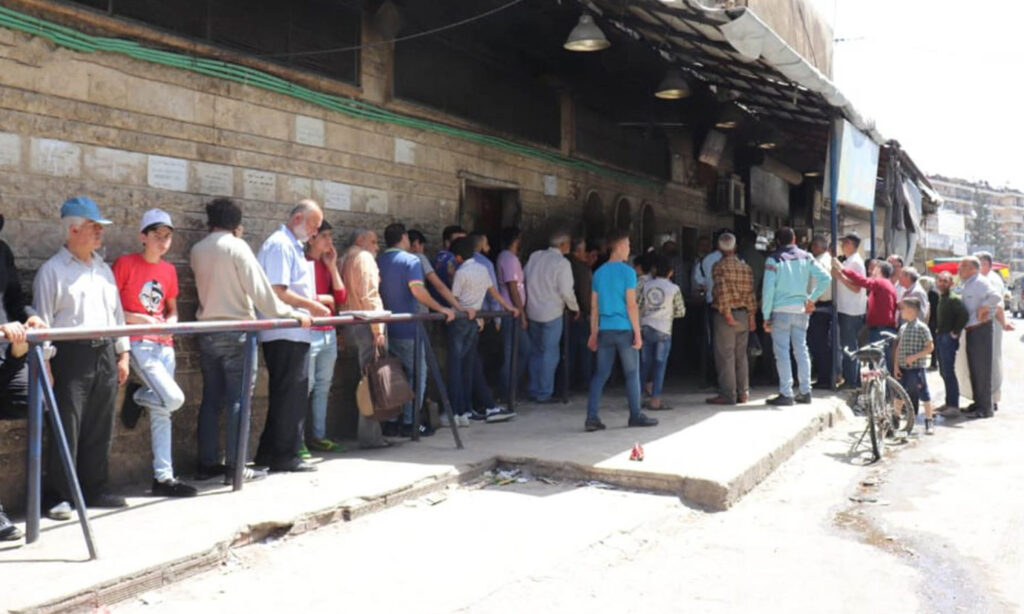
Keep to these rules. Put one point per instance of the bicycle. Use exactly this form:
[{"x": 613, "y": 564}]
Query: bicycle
[{"x": 880, "y": 392}]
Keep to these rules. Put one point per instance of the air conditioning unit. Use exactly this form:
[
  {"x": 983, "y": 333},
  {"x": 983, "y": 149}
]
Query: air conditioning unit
[{"x": 730, "y": 195}]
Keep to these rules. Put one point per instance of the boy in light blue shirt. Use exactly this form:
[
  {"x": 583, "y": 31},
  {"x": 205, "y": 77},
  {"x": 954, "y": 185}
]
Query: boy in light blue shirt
[{"x": 615, "y": 330}]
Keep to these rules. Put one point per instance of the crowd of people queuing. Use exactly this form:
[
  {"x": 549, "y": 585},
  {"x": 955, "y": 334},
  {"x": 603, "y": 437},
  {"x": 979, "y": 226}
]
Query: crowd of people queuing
[{"x": 615, "y": 305}]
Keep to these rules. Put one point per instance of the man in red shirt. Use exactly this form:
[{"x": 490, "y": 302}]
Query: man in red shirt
[
  {"x": 148, "y": 286},
  {"x": 323, "y": 352},
  {"x": 881, "y": 314}
]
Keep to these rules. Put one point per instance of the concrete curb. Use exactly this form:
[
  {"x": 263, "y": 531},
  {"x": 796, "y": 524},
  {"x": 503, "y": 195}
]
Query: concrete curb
[{"x": 702, "y": 493}]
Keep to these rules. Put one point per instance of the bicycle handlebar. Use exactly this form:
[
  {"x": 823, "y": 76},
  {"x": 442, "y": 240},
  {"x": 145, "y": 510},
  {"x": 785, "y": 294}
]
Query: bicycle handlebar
[{"x": 886, "y": 339}]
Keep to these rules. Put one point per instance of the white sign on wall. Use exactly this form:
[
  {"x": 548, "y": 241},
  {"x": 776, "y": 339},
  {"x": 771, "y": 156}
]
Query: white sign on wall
[
  {"x": 309, "y": 130},
  {"x": 550, "y": 185},
  {"x": 55, "y": 157},
  {"x": 10, "y": 149},
  {"x": 259, "y": 185},
  {"x": 168, "y": 173},
  {"x": 337, "y": 196},
  {"x": 405, "y": 151},
  {"x": 215, "y": 179}
]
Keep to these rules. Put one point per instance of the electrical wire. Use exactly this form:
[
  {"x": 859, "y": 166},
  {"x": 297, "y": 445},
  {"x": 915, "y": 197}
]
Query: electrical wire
[
  {"x": 468, "y": 20},
  {"x": 86, "y": 43}
]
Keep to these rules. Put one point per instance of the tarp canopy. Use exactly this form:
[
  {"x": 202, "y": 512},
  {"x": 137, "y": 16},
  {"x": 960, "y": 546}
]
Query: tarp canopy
[{"x": 952, "y": 265}]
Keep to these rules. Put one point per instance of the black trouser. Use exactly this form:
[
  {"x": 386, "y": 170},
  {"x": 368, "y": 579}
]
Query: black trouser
[
  {"x": 85, "y": 385},
  {"x": 819, "y": 341},
  {"x": 13, "y": 384},
  {"x": 979, "y": 364},
  {"x": 288, "y": 397}
]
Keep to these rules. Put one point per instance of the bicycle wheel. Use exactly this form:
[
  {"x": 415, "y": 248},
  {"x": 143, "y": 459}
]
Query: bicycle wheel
[
  {"x": 904, "y": 419},
  {"x": 877, "y": 417}
]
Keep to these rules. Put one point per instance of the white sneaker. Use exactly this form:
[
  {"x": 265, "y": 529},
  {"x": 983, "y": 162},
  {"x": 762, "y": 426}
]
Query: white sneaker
[
  {"x": 462, "y": 420},
  {"x": 445, "y": 423}
]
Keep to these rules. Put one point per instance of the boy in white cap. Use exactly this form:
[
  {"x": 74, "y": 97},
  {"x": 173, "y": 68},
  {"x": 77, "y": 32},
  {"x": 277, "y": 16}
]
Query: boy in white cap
[{"x": 148, "y": 286}]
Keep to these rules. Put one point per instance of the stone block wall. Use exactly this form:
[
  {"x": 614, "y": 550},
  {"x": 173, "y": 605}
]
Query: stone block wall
[{"x": 134, "y": 135}]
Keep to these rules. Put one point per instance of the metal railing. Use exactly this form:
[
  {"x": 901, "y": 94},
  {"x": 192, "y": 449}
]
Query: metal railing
[{"x": 41, "y": 395}]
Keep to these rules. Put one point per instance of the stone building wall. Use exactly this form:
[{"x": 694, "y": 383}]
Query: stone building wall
[{"x": 134, "y": 135}]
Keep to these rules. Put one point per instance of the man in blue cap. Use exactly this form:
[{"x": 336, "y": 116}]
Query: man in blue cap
[{"x": 75, "y": 288}]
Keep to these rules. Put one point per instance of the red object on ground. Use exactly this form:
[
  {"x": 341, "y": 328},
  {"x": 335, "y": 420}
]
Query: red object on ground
[{"x": 637, "y": 454}]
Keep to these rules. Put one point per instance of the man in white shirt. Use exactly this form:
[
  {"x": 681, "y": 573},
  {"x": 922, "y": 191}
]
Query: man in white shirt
[
  {"x": 550, "y": 291},
  {"x": 75, "y": 288},
  {"x": 704, "y": 282},
  {"x": 472, "y": 284},
  {"x": 819, "y": 333},
  {"x": 997, "y": 283},
  {"x": 852, "y": 305},
  {"x": 286, "y": 351}
]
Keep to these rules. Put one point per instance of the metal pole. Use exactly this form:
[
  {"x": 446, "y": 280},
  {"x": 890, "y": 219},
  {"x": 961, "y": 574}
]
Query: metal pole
[
  {"x": 435, "y": 372},
  {"x": 513, "y": 368},
  {"x": 416, "y": 407},
  {"x": 873, "y": 221},
  {"x": 34, "y": 460},
  {"x": 565, "y": 357},
  {"x": 833, "y": 162},
  {"x": 60, "y": 440},
  {"x": 245, "y": 411}
]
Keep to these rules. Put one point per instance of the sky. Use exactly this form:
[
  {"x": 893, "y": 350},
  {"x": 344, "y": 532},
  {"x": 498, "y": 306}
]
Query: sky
[{"x": 940, "y": 77}]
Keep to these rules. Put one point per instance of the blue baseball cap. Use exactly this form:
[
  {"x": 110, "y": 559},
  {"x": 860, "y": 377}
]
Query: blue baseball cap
[{"x": 83, "y": 206}]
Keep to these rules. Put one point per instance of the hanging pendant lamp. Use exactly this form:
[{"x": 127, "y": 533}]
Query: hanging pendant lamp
[
  {"x": 673, "y": 87},
  {"x": 586, "y": 36}
]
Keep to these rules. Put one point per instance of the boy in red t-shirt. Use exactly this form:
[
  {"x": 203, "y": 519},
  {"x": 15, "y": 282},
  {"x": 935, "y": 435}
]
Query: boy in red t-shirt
[{"x": 149, "y": 294}]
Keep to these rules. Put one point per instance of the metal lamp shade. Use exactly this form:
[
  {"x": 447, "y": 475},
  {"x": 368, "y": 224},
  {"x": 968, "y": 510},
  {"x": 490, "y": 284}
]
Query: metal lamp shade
[
  {"x": 673, "y": 86},
  {"x": 586, "y": 36}
]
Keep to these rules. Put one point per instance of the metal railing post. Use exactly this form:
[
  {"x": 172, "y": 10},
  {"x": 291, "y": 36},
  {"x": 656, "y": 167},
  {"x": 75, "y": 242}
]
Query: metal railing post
[
  {"x": 566, "y": 322},
  {"x": 416, "y": 407},
  {"x": 34, "y": 459},
  {"x": 513, "y": 367},
  {"x": 245, "y": 410},
  {"x": 435, "y": 372},
  {"x": 60, "y": 440}
]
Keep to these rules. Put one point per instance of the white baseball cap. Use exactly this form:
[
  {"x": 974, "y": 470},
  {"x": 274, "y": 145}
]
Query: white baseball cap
[{"x": 153, "y": 217}]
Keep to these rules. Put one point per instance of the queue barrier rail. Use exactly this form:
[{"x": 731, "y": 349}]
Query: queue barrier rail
[{"x": 42, "y": 402}]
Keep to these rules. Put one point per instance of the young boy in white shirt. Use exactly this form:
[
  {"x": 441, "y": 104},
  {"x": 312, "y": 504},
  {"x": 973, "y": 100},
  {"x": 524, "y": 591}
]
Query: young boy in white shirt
[
  {"x": 660, "y": 303},
  {"x": 471, "y": 284}
]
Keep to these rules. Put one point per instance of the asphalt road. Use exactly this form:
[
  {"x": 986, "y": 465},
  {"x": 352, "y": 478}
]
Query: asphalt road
[{"x": 938, "y": 526}]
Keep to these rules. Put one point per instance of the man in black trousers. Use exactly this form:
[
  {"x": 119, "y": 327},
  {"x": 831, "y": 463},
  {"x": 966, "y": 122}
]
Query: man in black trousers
[
  {"x": 981, "y": 301},
  {"x": 75, "y": 288},
  {"x": 286, "y": 351},
  {"x": 819, "y": 333}
]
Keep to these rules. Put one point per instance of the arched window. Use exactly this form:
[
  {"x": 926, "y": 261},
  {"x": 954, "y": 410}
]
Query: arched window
[
  {"x": 593, "y": 226},
  {"x": 648, "y": 229},
  {"x": 623, "y": 214}
]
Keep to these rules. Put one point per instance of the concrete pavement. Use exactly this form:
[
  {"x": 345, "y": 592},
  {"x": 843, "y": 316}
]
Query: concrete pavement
[{"x": 709, "y": 456}]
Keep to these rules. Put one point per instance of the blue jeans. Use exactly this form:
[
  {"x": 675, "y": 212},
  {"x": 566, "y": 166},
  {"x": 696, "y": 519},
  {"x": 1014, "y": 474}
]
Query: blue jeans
[
  {"x": 789, "y": 330},
  {"x": 221, "y": 359},
  {"x": 948, "y": 347},
  {"x": 580, "y": 359},
  {"x": 654, "y": 358},
  {"x": 609, "y": 344},
  {"x": 545, "y": 339},
  {"x": 849, "y": 327},
  {"x": 323, "y": 353},
  {"x": 875, "y": 334},
  {"x": 154, "y": 363},
  {"x": 462, "y": 339},
  {"x": 522, "y": 355},
  {"x": 405, "y": 350}
]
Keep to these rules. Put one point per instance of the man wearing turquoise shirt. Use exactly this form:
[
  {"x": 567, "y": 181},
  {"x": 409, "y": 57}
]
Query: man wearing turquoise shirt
[{"x": 786, "y": 306}]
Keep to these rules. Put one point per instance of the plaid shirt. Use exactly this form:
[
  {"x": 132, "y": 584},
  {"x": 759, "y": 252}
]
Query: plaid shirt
[
  {"x": 734, "y": 286},
  {"x": 914, "y": 338}
]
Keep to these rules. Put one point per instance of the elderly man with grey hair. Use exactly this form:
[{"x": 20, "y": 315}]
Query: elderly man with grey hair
[
  {"x": 909, "y": 282},
  {"x": 75, "y": 288},
  {"x": 735, "y": 306},
  {"x": 550, "y": 288},
  {"x": 981, "y": 301},
  {"x": 361, "y": 276},
  {"x": 286, "y": 351},
  {"x": 996, "y": 281}
]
